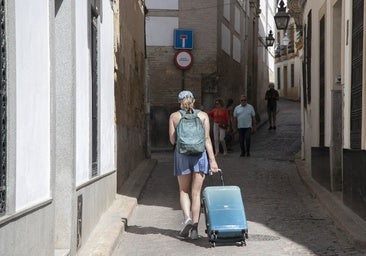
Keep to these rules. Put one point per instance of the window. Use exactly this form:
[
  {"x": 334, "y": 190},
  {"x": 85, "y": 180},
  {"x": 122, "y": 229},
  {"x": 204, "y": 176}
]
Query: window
[
  {"x": 308, "y": 56},
  {"x": 291, "y": 37},
  {"x": 94, "y": 69},
  {"x": 292, "y": 75},
  {"x": 279, "y": 78},
  {"x": 321, "y": 81},
  {"x": 3, "y": 163},
  {"x": 304, "y": 75},
  {"x": 356, "y": 77}
]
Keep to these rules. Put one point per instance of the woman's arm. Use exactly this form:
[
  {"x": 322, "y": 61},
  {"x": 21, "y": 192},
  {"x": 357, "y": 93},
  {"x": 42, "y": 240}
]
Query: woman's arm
[
  {"x": 172, "y": 121},
  {"x": 209, "y": 148}
]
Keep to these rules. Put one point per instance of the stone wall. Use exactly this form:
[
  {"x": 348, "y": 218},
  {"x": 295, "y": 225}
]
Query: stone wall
[{"x": 130, "y": 88}]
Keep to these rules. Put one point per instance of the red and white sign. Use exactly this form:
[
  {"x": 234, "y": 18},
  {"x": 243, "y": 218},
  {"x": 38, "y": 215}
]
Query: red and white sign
[{"x": 183, "y": 59}]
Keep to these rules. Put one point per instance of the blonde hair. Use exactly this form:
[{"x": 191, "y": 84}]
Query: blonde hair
[{"x": 187, "y": 104}]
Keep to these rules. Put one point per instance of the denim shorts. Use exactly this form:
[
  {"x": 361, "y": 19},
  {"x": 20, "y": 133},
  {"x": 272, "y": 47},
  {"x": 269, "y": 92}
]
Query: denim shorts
[{"x": 184, "y": 164}]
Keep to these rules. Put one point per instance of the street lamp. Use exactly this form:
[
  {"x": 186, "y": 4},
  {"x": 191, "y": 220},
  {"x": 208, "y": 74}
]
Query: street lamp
[
  {"x": 270, "y": 39},
  {"x": 281, "y": 18},
  {"x": 285, "y": 40}
]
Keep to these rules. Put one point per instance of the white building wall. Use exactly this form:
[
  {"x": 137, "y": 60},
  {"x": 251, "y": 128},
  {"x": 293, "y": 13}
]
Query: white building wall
[
  {"x": 32, "y": 102},
  {"x": 236, "y": 49},
  {"x": 347, "y": 78},
  {"x": 162, "y": 4},
  {"x": 227, "y": 9},
  {"x": 83, "y": 93},
  {"x": 225, "y": 39},
  {"x": 107, "y": 111},
  {"x": 160, "y": 30}
]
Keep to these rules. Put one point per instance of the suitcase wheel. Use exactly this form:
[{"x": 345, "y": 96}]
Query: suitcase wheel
[{"x": 213, "y": 235}]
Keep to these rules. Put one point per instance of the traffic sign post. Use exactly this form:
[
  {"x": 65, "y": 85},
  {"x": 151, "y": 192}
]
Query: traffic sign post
[
  {"x": 183, "y": 39},
  {"x": 183, "y": 59},
  {"x": 183, "y": 42}
]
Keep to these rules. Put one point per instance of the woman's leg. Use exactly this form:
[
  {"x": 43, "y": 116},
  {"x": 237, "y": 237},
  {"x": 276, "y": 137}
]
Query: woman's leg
[
  {"x": 197, "y": 181},
  {"x": 216, "y": 137},
  {"x": 184, "y": 182},
  {"x": 222, "y": 140}
]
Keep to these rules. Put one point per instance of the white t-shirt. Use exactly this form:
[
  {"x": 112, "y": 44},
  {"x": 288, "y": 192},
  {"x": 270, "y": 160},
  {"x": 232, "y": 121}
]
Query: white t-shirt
[{"x": 244, "y": 115}]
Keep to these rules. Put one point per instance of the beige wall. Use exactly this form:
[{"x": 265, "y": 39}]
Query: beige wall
[{"x": 129, "y": 88}]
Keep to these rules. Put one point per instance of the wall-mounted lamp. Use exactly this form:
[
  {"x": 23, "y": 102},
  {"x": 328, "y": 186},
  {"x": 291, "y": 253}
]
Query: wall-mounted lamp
[
  {"x": 269, "y": 40},
  {"x": 282, "y": 17},
  {"x": 285, "y": 40}
]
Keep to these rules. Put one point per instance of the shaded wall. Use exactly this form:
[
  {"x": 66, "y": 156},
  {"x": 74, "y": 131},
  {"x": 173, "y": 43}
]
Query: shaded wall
[
  {"x": 354, "y": 180},
  {"x": 129, "y": 88},
  {"x": 320, "y": 166}
]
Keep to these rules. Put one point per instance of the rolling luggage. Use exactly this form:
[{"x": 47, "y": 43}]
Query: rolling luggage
[{"x": 225, "y": 215}]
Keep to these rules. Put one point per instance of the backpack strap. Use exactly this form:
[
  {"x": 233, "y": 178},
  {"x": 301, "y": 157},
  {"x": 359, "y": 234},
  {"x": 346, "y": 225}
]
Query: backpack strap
[
  {"x": 196, "y": 111},
  {"x": 183, "y": 113}
]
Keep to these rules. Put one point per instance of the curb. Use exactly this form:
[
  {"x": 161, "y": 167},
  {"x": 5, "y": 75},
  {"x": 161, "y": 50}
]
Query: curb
[
  {"x": 345, "y": 218},
  {"x": 104, "y": 238}
]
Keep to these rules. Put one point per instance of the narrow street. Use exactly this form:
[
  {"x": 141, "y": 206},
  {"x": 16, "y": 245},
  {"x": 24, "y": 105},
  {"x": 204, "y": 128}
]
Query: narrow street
[{"x": 284, "y": 218}]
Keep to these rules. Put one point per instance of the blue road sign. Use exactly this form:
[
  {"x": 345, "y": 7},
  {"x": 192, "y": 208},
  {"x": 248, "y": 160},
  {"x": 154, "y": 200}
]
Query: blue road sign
[{"x": 183, "y": 39}]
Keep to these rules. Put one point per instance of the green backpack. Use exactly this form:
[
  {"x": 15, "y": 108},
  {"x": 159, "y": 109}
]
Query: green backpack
[{"x": 191, "y": 139}]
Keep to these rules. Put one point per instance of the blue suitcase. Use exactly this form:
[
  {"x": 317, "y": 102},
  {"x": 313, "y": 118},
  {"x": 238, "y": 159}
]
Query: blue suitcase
[{"x": 225, "y": 214}]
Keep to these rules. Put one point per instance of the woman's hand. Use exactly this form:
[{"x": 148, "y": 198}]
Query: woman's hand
[{"x": 213, "y": 166}]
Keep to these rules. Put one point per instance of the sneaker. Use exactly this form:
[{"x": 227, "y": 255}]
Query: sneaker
[
  {"x": 270, "y": 128},
  {"x": 274, "y": 127},
  {"x": 248, "y": 154},
  {"x": 194, "y": 233},
  {"x": 242, "y": 153},
  {"x": 186, "y": 228}
]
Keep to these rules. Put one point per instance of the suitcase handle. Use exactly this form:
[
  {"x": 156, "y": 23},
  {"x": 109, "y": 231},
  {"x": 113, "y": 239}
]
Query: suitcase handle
[{"x": 221, "y": 176}]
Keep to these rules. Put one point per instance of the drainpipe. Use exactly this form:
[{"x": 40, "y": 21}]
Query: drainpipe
[{"x": 147, "y": 92}]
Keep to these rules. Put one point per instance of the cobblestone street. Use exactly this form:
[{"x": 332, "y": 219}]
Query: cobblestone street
[{"x": 284, "y": 218}]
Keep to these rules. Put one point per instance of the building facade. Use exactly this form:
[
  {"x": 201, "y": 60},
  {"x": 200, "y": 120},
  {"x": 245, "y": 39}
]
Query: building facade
[
  {"x": 333, "y": 96},
  {"x": 265, "y": 54},
  {"x": 58, "y": 123},
  {"x": 131, "y": 90},
  {"x": 224, "y": 53}
]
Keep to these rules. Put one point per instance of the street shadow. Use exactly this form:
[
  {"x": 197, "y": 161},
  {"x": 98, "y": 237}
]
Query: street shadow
[
  {"x": 272, "y": 191},
  {"x": 139, "y": 230}
]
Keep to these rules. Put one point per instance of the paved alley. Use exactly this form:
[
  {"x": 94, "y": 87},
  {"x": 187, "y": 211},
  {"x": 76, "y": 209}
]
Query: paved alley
[{"x": 284, "y": 218}]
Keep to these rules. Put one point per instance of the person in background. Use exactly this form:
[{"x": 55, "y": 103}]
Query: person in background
[
  {"x": 272, "y": 97},
  {"x": 190, "y": 170},
  {"x": 221, "y": 120},
  {"x": 229, "y": 131},
  {"x": 244, "y": 116}
]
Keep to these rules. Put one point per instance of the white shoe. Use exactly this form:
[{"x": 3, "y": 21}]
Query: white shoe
[{"x": 186, "y": 228}]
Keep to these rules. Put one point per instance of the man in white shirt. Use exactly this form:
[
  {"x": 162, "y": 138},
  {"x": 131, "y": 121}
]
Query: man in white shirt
[{"x": 244, "y": 116}]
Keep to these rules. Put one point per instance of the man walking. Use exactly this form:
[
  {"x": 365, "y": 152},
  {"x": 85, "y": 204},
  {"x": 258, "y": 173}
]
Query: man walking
[
  {"x": 244, "y": 117},
  {"x": 272, "y": 97}
]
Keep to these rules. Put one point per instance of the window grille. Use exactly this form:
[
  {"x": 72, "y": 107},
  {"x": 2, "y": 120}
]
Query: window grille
[
  {"x": 322, "y": 82},
  {"x": 308, "y": 56},
  {"x": 356, "y": 77},
  {"x": 3, "y": 107},
  {"x": 292, "y": 75},
  {"x": 95, "y": 107}
]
